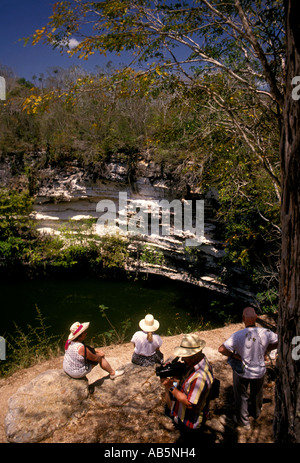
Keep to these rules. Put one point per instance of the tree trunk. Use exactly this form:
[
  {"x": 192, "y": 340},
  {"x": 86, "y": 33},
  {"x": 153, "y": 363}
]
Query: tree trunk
[{"x": 287, "y": 408}]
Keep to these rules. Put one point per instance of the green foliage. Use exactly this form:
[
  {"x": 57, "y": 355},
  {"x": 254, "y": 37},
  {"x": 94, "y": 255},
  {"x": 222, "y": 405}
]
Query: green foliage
[
  {"x": 210, "y": 116},
  {"x": 17, "y": 232},
  {"x": 222, "y": 312},
  {"x": 150, "y": 255},
  {"x": 113, "y": 335},
  {"x": 75, "y": 255},
  {"x": 179, "y": 326},
  {"x": 90, "y": 254},
  {"x": 77, "y": 247},
  {"x": 14, "y": 207},
  {"x": 268, "y": 301},
  {"x": 114, "y": 252},
  {"x": 27, "y": 348}
]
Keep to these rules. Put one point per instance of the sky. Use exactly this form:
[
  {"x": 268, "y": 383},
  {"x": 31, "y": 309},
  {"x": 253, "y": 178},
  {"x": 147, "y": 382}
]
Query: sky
[{"x": 19, "y": 19}]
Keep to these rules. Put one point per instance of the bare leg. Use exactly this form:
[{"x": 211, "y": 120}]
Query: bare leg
[
  {"x": 106, "y": 366},
  {"x": 104, "y": 363}
]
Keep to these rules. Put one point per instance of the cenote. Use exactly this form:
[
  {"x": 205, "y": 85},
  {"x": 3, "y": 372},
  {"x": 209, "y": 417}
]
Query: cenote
[{"x": 62, "y": 301}]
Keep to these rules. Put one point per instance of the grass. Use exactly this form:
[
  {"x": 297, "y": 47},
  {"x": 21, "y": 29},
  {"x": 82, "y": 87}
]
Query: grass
[
  {"x": 24, "y": 349},
  {"x": 27, "y": 348}
]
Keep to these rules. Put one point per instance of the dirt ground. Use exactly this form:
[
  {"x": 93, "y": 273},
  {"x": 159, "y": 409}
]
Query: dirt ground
[{"x": 220, "y": 425}]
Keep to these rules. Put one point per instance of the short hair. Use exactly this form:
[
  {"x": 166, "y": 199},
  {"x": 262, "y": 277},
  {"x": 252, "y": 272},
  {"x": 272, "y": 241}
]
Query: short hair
[{"x": 249, "y": 313}]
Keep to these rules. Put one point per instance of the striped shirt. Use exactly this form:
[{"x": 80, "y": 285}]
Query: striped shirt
[{"x": 196, "y": 387}]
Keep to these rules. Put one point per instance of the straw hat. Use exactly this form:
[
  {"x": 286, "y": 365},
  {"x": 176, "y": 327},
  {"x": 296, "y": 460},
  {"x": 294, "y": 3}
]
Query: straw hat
[
  {"x": 148, "y": 324},
  {"x": 190, "y": 344},
  {"x": 77, "y": 329}
]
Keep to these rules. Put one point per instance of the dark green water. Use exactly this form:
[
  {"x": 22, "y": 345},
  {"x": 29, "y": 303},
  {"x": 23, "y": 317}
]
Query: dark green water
[{"x": 64, "y": 301}]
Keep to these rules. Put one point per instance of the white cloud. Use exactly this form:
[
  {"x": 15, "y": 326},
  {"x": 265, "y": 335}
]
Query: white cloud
[
  {"x": 73, "y": 43},
  {"x": 69, "y": 43}
]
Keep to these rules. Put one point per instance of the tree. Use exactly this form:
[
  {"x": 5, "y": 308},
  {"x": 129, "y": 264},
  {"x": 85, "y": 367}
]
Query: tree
[
  {"x": 222, "y": 65},
  {"x": 241, "y": 41},
  {"x": 287, "y": 417},
  {"x": 185, "y": 46}
]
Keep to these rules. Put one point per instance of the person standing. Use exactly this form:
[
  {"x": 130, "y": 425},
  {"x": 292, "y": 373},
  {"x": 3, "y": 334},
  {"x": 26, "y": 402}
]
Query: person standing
[
  {"x": 146, "y": 343},
  {"x": 249, "y": 346},
  {"x": 188, "y": 399}
]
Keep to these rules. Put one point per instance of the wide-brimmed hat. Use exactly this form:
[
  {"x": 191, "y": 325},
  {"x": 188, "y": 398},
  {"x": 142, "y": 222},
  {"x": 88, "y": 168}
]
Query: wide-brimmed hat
[
  {"x": 149, "y": 324},
  {"x": 77, "y": 329},
  {"x": 190, "y": 344}
]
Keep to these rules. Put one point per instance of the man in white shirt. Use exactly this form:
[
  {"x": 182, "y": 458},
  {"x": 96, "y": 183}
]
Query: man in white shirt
[{"x": 250, "y": 346}]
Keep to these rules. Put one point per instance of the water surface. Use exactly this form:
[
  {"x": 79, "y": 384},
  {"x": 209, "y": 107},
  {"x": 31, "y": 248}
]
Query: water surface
[{"x": 63, "y": 301}]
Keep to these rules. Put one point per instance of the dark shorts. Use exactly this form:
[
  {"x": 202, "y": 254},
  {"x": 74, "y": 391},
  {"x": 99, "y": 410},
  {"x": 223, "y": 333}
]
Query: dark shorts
[
  {"x": 90, "y": 362},
  {"x": 144, "y": 361}
]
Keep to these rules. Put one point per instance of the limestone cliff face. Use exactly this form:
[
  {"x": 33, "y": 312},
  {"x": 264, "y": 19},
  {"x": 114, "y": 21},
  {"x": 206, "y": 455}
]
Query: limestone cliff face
[
  {"x": 74, "y": 194},
  {"x": 71, "y": 192}
]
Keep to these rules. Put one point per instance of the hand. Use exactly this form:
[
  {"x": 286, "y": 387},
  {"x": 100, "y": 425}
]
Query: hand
[{"x": 167, "y": 382}]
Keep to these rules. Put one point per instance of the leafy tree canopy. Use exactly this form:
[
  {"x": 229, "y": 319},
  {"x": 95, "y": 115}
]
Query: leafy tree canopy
[
  {"x": 220, "y": 67},
  {"x": 232, "y": 52}
]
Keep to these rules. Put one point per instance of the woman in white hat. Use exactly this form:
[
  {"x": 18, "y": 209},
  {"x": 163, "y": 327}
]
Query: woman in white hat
[
  {"x": 79, "y": 359},
  {"x": 146, "y": 344}
]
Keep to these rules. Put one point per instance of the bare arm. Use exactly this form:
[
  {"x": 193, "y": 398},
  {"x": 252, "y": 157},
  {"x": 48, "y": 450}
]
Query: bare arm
[
  {"x": 228, "y": 353},
  {"x": 178, "y": 395},
  {"x": 89, "y": 355}
]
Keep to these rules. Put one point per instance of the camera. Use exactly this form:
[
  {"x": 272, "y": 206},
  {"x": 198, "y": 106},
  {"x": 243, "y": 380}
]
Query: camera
[{"x": 174, "y": 368}]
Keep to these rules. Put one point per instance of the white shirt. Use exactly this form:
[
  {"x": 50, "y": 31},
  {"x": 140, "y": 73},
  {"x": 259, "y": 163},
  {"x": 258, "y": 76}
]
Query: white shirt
[
  {"x": 143, "y": 346},
  {"x": 251, "y": 344},
  {"x": 74, "y": 363}
]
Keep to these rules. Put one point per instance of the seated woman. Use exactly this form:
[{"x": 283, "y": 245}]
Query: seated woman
[
  {"x": 80, "y": 359},
  {"x": 146, "y": 344}
]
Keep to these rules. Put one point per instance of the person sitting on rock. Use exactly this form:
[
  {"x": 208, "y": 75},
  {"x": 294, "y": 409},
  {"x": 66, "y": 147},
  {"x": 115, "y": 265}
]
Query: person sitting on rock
[
  {"x": 146, "y": 344},
  {"x": 79, "y": 359}
]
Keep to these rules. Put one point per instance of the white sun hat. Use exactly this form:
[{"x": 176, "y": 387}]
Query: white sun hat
[{"x": 149, "y": 324}]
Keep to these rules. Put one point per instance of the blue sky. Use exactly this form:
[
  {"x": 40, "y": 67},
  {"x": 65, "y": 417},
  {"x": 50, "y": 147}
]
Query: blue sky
[{"x": 20, "y": 18}]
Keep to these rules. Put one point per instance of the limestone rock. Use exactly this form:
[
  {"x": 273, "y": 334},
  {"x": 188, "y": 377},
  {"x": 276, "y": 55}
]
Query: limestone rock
[
  {"x": 48, "y": 402},
  {"x": 129, "y": 409},
  {"x": 138, "y": 389},
  {"x": 54, "y": 408}
]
